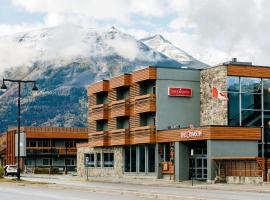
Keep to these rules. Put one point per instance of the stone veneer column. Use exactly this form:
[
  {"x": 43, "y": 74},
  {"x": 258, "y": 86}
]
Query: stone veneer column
[{"x": 213, "y": 111}]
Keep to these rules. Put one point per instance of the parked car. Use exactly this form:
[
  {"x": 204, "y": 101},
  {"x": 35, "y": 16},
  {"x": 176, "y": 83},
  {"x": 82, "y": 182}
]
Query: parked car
[{"x": 11, "y": 170}]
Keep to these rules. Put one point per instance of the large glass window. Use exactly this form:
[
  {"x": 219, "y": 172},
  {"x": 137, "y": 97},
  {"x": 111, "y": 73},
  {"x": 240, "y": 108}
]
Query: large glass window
[
  {"x": 90, "y": 160},
  {"x": 137, "y": 157},
  {"x": 108, "y": 159},
  {"x": 142, "y": 157},
  {"x": 133, "y": 158},
  {"x": 251, "y": 101},
  {"x": 98, "y": 162},
  {"x": 127, "y": 159},
  {"x": 267, "y": 126},
  {"x": 266, "y": 93},
  {"x": 233, "y": 109},
  {"x": 233, "y": 84},
  {"x": 251, "y": 118},
  {"x": 251, "y": 85},
  {"x": 151, "y": 157}
]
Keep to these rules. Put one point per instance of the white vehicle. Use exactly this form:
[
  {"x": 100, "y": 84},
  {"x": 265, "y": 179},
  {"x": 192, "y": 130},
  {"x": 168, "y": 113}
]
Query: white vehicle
[{"x": 11, "y": 170}]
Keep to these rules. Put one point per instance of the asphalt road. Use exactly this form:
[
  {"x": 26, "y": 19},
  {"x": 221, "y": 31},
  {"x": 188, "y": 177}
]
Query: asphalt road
[
  {"x": 28, "y": 192},
  {"x": 67, "y": 188}
]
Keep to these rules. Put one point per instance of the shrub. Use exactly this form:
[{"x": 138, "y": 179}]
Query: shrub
[{"x": 2, "y": 172}]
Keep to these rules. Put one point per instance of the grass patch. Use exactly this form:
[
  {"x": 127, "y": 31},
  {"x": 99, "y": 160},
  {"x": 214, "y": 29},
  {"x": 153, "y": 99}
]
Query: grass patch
[{"x": 14, "y": 180}]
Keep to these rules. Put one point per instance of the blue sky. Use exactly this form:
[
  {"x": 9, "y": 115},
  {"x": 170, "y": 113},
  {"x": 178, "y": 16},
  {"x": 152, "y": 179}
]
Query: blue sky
[{"x": 210, "y": 30}]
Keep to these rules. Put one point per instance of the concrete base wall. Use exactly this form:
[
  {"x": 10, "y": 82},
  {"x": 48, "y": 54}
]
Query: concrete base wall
[
  {"x": 243, "y": 180},
  {"x": 116, "y": 171}
]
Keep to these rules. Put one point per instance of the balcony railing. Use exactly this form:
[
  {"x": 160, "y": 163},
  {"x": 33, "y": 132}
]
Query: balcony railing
[
  {"x": 51, "y": 150},
  {"x": 98, "y": 112},
  {"x": 144, "y": 134},
  {"x": 120, "y": 108},
  {"x": 145, "y": 103},
  {"x": 99, "y": 138},
  {"x": 119, "y": 137}
]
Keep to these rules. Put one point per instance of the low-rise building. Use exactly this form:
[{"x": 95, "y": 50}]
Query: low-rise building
[
  {"x": 158, "y": 121},
  {"x": 46, "y": 147}
]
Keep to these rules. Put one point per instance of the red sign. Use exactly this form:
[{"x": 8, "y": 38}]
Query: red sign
[{"x": 180, "y": 92}]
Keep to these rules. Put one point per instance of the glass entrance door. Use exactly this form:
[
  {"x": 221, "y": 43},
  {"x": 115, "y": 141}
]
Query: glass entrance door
[{"x": 198, "y": 168}]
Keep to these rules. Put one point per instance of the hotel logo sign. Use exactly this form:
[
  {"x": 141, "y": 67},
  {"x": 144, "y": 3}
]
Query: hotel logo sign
[
  {"x": 179, "y": 92},
  {"x": 191, "y": 134}
]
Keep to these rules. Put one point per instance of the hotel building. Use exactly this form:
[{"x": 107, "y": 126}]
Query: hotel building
[{"x": 161, "y": 122}]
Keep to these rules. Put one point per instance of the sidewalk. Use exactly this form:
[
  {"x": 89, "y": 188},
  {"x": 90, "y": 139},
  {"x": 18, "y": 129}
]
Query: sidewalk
[{"x": 74, "y": 180}]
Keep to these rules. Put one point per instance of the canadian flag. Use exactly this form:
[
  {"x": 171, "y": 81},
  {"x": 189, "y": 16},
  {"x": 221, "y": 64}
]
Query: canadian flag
[{"x": 218, "y": 94}]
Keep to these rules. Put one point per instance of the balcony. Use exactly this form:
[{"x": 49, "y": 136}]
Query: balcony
[
  {"x": 120, "y": 81},
  {"x": 144, "y": 134},
  {"x": 119, "y": 137},
  {"x": 101, "y": 86},
  {"x": 120, "y": 108},
  {"x": 145, "y": 103},
  {"x": 149, "y": 73},
  {"x": 99, "y": 138},
  {"x": 99, "y": 112},
  {"x": 51, "y": 151}
]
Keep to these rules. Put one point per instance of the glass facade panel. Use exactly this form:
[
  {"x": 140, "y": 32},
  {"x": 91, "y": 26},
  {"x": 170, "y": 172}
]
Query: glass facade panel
[
  {"x": 127, "y": 159},
  {"x": 233, "y": 84},
  {"x": 151, "y": 158},
  {"x": 267, "y": 126},
  {"x": 251, "y": 85},
  {"x": 251, "y": 101},
  {"x": 251, "y": 118},
  {"x": 266, "y": 93},
  {"x": 142, "y": 157},
  {"x": 133, "y": 158},
  {"x": 233, "y": 109}
]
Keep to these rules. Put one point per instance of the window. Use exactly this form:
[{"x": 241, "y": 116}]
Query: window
[
  {"x": 122, "y": 122},
  {"x": 251, "y": 85},
  {"x": 233, "y": 84},
  {"x": 89, "y": 160},
  {"x": 102, "y": 125},
  {"x": 46, "y": 161},
  {"x": 251, "y": 118},
  {"x": 98, "y": 161},
  {"x": 70, "y": 161},
  {"x": 122, "y": 93},
  {"x": 69, "y": 144},
  {"x": 266, "y": 94},
  {"x": 151, "y": 157},
  {"x": 101, "y": 98},
  {"x": 142, "y": 157},
  {"x": 233, "y": 109},
  {"x": 31, "y": 143},
  {"x": 108, "y": 159},
  {"x": 138, "y": 157}
]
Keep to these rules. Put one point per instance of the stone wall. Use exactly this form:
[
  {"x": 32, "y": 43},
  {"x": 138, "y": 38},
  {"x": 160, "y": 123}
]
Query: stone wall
[
  {"x": 213, "y": 111},
  {"x": 116, "y": 171}
]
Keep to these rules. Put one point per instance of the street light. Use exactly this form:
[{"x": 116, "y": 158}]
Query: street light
[{"x": 4, "y": 87}]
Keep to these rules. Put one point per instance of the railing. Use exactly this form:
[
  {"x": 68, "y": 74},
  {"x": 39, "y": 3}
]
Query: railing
[
  {"x": 120, "y": 108},
  {"x": 51, "y": 150},
  {"x": 144, "y": 134},
  {"x": 99, "y": 112},
  {"x": 145, "y": 103},
  {"x": 119, "y": 137}
]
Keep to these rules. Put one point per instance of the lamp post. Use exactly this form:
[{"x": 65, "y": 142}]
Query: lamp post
[{"x": 4, "y": 87}]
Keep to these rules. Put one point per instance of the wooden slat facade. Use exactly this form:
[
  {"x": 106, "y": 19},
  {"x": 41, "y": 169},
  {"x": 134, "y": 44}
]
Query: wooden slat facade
[
  {"x": 101, "y": 86},
  {"x": 248, "y": 71},
  {"x": 120, "y": 108},
  {"x": 120, "y": 81},
  {"x": 99, "y": 112},
  {"x": 145, "y": 103},
  {"x": 149, "y": 73},
  {"x": 210, "y": 132}
]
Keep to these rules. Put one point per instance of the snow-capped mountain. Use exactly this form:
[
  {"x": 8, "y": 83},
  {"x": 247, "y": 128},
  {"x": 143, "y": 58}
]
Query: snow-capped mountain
[
  {"x": 160, "y": 44},
  {"x": 64, "y": 60}
]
